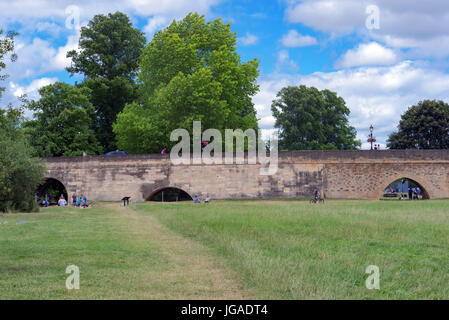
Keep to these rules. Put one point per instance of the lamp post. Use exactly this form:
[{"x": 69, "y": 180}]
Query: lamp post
[{"x": 371, "y": 139}]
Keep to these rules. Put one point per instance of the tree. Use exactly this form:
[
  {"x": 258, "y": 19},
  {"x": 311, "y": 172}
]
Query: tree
[
  {"x": 136, "y": 128},
  {"x": 20, "y": 172},
  {"x": 109, "y": 50},
  {"x": 6, "y": 47},
  {"x": 63, "y": 124},
  {"x": 422, "y": 126},
  {"x": 189, "y": 71},
  {"x": 309, "y": 119}
]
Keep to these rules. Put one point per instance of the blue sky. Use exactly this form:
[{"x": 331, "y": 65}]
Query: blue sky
[{"x": 381, "y": 68}]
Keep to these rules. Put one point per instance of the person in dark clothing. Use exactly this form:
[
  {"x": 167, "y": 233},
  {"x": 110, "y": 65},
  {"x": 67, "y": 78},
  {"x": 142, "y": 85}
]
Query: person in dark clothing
[
  {"x": 74, "y": 200},
  {"x": 316, "y": 194},
  {"x": 410, "y": 193}
]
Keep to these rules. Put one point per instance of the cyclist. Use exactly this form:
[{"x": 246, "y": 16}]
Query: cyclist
[{"x": 316, "y": 194}]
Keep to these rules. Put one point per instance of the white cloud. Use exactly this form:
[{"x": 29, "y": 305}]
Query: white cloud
[
  {"x": 32, "y": 89},
  {"x": 50, "y": 27},
  {"x": 367, "y": 54},
  {"x": 30, "y": 11},
  {"x": 403, "y": 23},
  {"x": 375, "y": 95},
  {"x": 60, "y": 61},
  {"x": 34, "y": 58},
  {"x": 38, "y": 57},
  {"x": 330, "y": 16},
  {"x": 153, "y": 25},
  {"x": 267, "y": 122},
  {"x": 294, "y": 39},
  {"x": 249, "y": 39},
  {"x": 284, "y": 62}
]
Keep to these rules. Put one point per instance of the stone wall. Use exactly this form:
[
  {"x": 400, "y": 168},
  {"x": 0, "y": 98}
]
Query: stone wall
[{"x": 339, "y": 174}]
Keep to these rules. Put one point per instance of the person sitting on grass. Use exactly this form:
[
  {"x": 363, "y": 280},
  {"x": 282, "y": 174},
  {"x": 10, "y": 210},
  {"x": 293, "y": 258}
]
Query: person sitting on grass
[
  {"x": 207, "y": 199},
  {"x": 196, "y": 200},
  {"x": 62, "y": 202},
  {"x": 85, "y": 205}
]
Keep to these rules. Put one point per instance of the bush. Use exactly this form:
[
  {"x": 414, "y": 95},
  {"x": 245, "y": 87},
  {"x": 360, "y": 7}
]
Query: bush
[{"x": 20, "y": 172}]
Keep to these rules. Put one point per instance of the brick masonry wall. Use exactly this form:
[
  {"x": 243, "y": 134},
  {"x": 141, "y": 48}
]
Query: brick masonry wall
[{"x": 339, "y": 174}]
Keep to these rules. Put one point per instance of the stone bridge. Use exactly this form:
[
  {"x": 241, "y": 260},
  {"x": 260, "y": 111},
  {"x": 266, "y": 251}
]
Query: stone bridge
[{"x": 339, "y": 174}]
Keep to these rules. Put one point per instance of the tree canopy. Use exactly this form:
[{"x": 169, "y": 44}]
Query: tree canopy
[
  {"x": 63, "y": 122},
  {"x": 109, "y": 48},
  {"x": 20, "y": 172},
  {"x": 309, "y": 119},
  {"x": 189, "y": 71},
  {"x": 422, "y": 126}
]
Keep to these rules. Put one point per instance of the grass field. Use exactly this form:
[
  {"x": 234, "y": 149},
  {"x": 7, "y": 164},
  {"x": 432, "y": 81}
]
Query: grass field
[{"x": 271, "y": 249}]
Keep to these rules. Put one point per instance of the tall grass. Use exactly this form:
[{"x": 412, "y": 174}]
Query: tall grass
[{"x": 294, "y": 250}]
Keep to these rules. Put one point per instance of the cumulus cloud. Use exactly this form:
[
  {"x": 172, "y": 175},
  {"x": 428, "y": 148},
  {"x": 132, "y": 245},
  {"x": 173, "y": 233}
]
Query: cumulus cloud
[
  {"x": 154, "y": 24},
  {"x": 294, "y": 39},
  {"x": 375, "y": 95},
  {"x": 284, "y": 62},
  {"x": 38, "y": 57},
  {"x": 60, "y": 60},
  {"x": 32, "y": 89},
  {"x": 249, "y": 39},
  {"x": 340, "y": 16},
  {"x": 27, "y": 11},
  {"x": 403, "y": 23},
  {"x": 367, "y": 54}
]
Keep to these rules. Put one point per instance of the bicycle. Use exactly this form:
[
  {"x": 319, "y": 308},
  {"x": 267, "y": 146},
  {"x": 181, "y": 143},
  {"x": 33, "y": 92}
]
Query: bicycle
[{"x": 319, "y": 200}]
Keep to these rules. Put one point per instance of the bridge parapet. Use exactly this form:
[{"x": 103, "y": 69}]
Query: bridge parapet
[{"x": 340, "y": 174}]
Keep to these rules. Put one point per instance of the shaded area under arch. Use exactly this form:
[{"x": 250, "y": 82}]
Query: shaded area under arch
[
  {"x": 402, "y": 186},
  {"x": 169, "y": 194},
  {"x": 51, "y": 190}
]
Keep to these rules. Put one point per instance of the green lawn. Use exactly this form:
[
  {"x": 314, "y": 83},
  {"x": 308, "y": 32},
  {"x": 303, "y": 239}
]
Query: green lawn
[{"x": 270, "y": 249}]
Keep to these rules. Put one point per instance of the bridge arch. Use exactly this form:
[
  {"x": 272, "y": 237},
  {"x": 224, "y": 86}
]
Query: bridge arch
[
  {"x": 169, "y": 194},
  {"x": 425, "y": 191},
  {"x": 51, "y": 189}
]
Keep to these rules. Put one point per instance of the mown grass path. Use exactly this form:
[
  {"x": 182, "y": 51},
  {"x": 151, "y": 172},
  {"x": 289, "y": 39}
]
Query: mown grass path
[
  {"x": 121, "y": 253},
  {"x": 277, "y": 249}
]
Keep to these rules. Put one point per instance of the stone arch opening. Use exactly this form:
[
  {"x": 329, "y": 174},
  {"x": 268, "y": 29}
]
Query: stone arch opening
[
  {"x": 169, "y": 194},
  {"x": 51, "y": 190},
  {"x": 401, "y": 188}
]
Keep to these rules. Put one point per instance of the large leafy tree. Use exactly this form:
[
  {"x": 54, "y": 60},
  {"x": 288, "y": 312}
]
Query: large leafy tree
[
  {"x": 422, "y": 126},
  {"x": 309, "y": 119},
  {"x": 63, "y": 122},
  {"x": 20, "y": 171},
  {"x": 189, "y": 71},
  {"x": 109, "y": 48}
]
